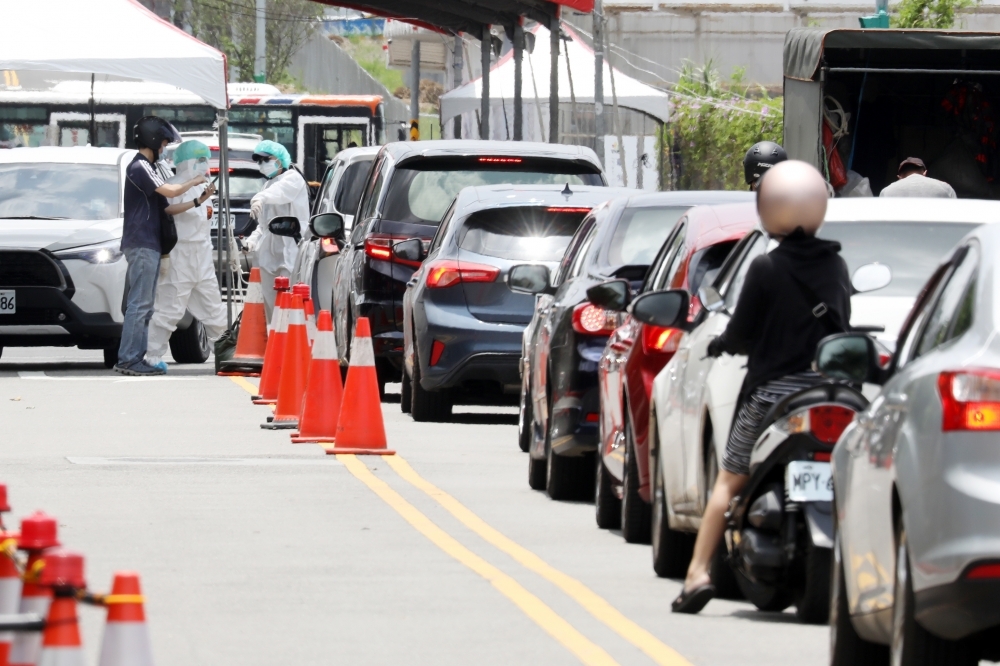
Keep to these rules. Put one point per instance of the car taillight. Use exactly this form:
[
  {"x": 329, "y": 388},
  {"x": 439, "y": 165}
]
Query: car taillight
[
  {"x": 970, "y": 399},
  {"x": 379, "y": 246},
  {"x": 984, "y": 571},
  {"x": 592, "y": 320},
  {"x": 448, "y": 272},
  {"x": 829, "y": 421},
  {"x": 660, "y": 340}
]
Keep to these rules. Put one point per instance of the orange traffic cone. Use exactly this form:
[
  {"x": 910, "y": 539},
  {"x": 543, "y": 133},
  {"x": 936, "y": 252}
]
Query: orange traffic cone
[
  {"x": 311, "y": 329},
  {"x": 270, "y": 375},
  {"x": 38, "y": 533},
  {"x": 252, "y": 341},
  {"x": 321, "y": 404},
  {"x": 61, "y": 646},
  {"x": 294, "y": 368},
  {"x": 280, "y": 287},
  {"x": 360, "y": 429},
  {"x": 126, "y": 637},
  {"x": 10, "y": 591}
]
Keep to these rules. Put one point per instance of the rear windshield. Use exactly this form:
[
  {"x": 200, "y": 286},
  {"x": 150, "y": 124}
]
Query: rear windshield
[
  {"x": 911, "y": 250},
  {"x": 533, "y": 233},
  {"x": 59, "y": 191},
  {"x": 640, "y": 233},
  {"x": 421, "y": 192},
  {"x": 245, "y": 184},
  {"x": 351, "y": 186}
]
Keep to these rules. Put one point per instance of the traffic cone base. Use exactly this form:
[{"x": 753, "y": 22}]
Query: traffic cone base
[
  {"x": 251, "y": 345},
  {"x": 237, "y": 373},
  {"x": 334, "y": 450}
]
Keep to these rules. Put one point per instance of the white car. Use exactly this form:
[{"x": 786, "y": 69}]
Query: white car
[
  {"x": 62, "y": 272},
  {"x": 694, "y": 397}
]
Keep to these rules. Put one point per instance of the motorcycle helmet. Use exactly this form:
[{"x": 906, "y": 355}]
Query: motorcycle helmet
[
  {"x": 762, "y": 156},
  {"x": 150, "y": 132},
  {"x": 790, "y": 195}
]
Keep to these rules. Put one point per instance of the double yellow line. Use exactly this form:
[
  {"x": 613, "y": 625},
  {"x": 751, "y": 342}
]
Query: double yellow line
[{"x": 562, "y": 631}]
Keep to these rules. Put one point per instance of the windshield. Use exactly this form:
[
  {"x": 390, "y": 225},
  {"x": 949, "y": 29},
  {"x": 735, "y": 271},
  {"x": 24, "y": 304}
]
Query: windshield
[
  {"x": 73, "y": 191},
  {"x": 245, "y": 185},
  {"x": 421, "y": 194},
  {"x": 351, "y": 186},
  {"x": 640, "y": 233},
  {"x": 533, "y": 233},
  {"x": 911, "y": 250}
]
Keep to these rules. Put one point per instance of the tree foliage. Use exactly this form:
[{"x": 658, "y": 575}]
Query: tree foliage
[
  {"x": 712, "y": 125},
  {"x": 939, "y": 14}
]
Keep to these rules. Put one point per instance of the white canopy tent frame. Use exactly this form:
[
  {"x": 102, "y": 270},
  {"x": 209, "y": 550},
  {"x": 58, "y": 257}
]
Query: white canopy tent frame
[{"x": 123, "y": 38}]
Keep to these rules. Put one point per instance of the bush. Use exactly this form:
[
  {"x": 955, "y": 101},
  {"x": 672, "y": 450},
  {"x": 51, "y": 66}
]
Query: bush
[{"x": 712, "y": 126}]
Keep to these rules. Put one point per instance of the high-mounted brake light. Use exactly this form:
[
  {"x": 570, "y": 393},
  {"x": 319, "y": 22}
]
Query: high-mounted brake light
[
  {"x": 589, "y": 319},
  {"x": 657, "y": 339},
  {"x": 215, "y": 170},
  {"x": 500, "y": 160},
  {"x": 970, "y": 399},
  {"x": 567, "y": 209},
  {"x": 448, "y": 272}
]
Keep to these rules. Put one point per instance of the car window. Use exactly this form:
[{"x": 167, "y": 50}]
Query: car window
[
  {"x": 582, "y": 234},
  {"x": 639, "y": 234},
  {"x": 520, "y": 233},
  {"x": 677, "y": 253},
  {"x": 581, "y": 254},
  {"x": 374, "y": 190},
  {"x": 351, "y": 186},
  {"x": 731, "y": 290},
  {"x": 325, "y": 195},
  {"x": 442, "y": 228},
  {"x": 704, "y": 260},
  {"x": 659, "y": 265},
  {"x": 60, "y": 191},
  {"x": 952, "y": 312}
]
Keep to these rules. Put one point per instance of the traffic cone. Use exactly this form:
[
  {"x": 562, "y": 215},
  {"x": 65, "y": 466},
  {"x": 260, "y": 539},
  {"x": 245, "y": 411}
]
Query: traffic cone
[
  {"x": 280, "y": 287},
  {"x": 10, "y": 591},
  {"x": 126, "y": 637},
  {"x": 294, "y": 369},
  {"x": 360, "y": 429},
  {"x": 270, "y": 375},
  {"x": 38, "y": 534},
  {"x": 321, "y": 404},
  {"x": 248, "y": 359},
  {"x": 311, "y": 329},
  {"x": 63, "y": 573}
]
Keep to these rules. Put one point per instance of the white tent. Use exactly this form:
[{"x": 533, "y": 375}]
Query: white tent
[
  {"x": 117, "y": 37},
  {"x": 632, "y": 94}
]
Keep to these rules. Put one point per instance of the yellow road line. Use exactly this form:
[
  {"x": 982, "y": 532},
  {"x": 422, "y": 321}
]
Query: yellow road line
[
  {"x": 245, "y": 385},
  {"x": 561, "y": 630},
  {"x": 583, "y": 595}
]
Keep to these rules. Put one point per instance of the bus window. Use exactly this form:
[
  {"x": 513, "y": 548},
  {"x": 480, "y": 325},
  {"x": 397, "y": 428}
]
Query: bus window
[
  {"x": 22, "y": 126},
  {"x": 321, "y": 143},
  {"x": 274, "y": 124}
]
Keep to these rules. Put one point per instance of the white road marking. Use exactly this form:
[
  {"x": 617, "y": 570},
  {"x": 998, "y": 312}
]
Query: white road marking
[
  {"x": 194, "y": 460},
  {"x": 102, "y": 378}
]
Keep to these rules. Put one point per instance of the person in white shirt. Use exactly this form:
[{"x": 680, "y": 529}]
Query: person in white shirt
[
  {"x": 286, "y": 193},
  {"x": 187, "y": 279},
  {"x": 912, "y": 181}
]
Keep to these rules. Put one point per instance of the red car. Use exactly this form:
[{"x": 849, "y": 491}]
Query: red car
[{"x": 636, "y": 353}]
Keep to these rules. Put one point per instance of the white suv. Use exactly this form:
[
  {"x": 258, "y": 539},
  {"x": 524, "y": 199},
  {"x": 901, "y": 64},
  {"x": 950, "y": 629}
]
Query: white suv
[{"x": 62, "y": 273}]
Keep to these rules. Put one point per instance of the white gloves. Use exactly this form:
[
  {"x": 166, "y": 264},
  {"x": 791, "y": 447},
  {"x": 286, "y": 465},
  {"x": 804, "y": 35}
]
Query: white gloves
[
  {"x": 249, "y": 245},
  {"x": 256, "y": 207}
]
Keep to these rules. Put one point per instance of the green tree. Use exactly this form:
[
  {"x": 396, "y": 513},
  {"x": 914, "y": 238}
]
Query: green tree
[{"x": 939, "y": 14}]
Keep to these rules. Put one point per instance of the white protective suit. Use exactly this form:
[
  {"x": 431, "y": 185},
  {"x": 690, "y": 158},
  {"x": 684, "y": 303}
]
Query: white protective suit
[
  {"x": 188, "y": 282},
  {"x": 285, "y": 194}
]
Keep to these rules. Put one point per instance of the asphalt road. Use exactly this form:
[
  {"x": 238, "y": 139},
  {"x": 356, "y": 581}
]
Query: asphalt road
[{"x": 253, "y": 550}]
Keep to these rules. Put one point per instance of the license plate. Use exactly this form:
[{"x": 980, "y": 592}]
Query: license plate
[
  {"x": 232, "y": 221},
  {"x": 809, "y": 481},
  {"x": 8, "y": 303}
]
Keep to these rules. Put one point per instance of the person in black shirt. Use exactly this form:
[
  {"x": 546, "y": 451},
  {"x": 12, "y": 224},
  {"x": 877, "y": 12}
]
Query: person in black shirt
[
  {"x": 146, "y": 191},
  {"x": 777, "y": 325}
]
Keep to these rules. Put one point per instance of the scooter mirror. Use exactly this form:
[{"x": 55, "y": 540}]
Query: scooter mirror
[{"x": 871, "y": 277}]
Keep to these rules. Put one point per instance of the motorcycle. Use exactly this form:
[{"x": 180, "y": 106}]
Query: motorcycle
[{"x": 779, "y": 531}]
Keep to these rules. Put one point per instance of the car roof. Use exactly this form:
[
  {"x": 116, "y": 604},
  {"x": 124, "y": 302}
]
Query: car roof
[
  {"x": 65, "y": 155},
  {"x": 712, "y": 224},
  {"x": 689, "y": 198},
  {"x": 480, "y": 197},
  {"x": 903, "y": 209},
  {"x": 351, "y": 155},
  {"x": 237, "y": 141},
  {"x": 456, "y": 148}
]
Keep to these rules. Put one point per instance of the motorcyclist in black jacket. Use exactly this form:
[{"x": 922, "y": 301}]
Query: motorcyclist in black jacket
[{"x": 791, "y": 299}]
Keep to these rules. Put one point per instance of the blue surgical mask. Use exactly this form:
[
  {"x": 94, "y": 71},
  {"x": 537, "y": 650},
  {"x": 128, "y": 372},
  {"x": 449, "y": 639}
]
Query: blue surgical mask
[{"x": 269, "y": 168}]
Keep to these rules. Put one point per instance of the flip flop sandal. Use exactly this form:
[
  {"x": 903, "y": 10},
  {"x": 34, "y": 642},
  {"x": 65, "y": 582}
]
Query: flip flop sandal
[{"x": 692, "y": 601}]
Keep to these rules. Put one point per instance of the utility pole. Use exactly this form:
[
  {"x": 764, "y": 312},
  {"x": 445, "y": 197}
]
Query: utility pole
[
  {"x": 518, "y": 98},
  {"x": 457, "y": 66},
  {"x": 599, "y": 79},
  {"x": 260, "y": 52},
  {"x": 555, "y": 28},
  {"x": 415, "y": 90},
  {"x": 484, "y": 104}
]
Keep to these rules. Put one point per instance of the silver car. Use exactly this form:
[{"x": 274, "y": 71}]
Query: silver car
[{"x": 917, "y": 477}]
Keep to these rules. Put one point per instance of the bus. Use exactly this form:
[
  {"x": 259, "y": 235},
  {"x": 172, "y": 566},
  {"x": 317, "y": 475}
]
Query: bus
[{"x": 314, "y": 128}]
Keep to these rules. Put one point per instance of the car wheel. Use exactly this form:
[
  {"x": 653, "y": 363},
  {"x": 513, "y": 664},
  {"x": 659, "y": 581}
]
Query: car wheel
[
  {"x": 672, "y": 549},
  {"x": 406, "y": 394},
  {"x": 433, "y": 406},
  {"x": 607, "y": 507},
  {"x": 562, "y": 480},
  {"x": 524, "y": 419},
  {"x": 190, "y": 345},
  {"x": 635, "y": 511},
  {"x": 847, "y": 648},
  {"x": 723, "y": 577},
  {"x": 110, "y": 354},
  {"x": 813, "y": 603},
  {"x": 912, "y": 645},
  {"x": 537, "y": 473}
]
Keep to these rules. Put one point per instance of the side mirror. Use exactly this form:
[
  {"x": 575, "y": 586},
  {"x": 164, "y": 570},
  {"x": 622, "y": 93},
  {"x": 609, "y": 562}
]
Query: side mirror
[
  {"x": 612, "y": 295},
  {"x": 327, "y": 225},
  {"x": 871, "y": 277},
  {"x": 529, "y": 279},
  {"x": 849, "y": 356},
  {"x": 284, "y": 225},
  {"x": 711, "y": 299},
  {"x": 411, "y": 250},
  {"x": 668, "y": 309}
]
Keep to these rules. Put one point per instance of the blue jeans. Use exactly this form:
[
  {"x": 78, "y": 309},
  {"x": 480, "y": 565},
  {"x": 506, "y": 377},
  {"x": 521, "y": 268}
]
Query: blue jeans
[{"x": 140, "y": 279}]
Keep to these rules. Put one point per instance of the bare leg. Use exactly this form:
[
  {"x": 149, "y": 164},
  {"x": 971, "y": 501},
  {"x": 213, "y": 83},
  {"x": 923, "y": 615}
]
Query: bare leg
[{"x": 713, "y": 524}]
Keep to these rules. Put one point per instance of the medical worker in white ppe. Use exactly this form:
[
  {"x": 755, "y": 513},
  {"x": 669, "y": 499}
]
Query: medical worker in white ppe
[
  {"x": 187, "y": 280},
  {"x": 285, "y": 193}
]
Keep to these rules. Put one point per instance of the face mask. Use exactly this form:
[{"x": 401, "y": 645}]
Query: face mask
[
  {"x": 269, "y": 168},
  {"x": 201, "y": 168}
]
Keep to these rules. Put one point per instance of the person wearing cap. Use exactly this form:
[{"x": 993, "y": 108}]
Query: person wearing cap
[
  {"x": 285, "y": 193},
  {"x": 187, "y": 280},
  {"x": 912, "y": 181}
]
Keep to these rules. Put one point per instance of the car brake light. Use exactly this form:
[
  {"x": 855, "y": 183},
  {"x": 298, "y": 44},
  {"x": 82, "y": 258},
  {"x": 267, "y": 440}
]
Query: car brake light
[
  {"x": 567, "y": 209},
  {"x": 592, "y": 320},
  {"x": 448, "y": 272},
  {"x": 378, "y": 246},
  {"x": 214, "y": 170},
  {"x": 970, "y": 399},
  {"x": 828, "y": 422},
  {"x": 437, "y": 348},
  {"x": 591, "y": 417},
  {"x": 329, "y": 246},
  {"x": 822, "y": 456},
  {"x": 500, "y": 160},
  {"x": 984, "y": 571},
  {"x": 661, "y": 340}
]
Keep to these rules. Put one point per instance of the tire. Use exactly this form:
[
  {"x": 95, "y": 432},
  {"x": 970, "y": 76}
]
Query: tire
[
  {"x": 524, "y": 419},
  {"x": 566, "y": 478},
  {"x": 607, "y": 507},
  {"x": 912, "y": 645},
  {"x": 636, "y": 518},
  {"x": 426, "y": 406},
  {"x": 110, "y": 354},
  {"x": 847, "y": 648},
  {"x": 812, "y": 604},
  {"x": 190, "y": 345},
  {"x": 406, "y": 394},
  {"x": 671, "y": 549},
  {"x": 537, "y": 473},
  {"x": 764, "y": 597}
]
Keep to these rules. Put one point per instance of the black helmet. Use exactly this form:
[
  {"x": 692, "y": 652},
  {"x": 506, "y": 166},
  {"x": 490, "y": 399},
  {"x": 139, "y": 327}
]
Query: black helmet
[
  {"x": 761, "y": 157},
  {"x": 150, "y": 132}
]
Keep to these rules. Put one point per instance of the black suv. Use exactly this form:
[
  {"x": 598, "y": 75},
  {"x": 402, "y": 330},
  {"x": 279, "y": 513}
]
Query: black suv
[{"x": 410, "y": 187}]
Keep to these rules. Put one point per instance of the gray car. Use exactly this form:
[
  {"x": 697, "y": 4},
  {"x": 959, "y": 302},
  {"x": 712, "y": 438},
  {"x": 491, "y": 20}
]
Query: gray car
[{"x": 917, "y": 477}]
